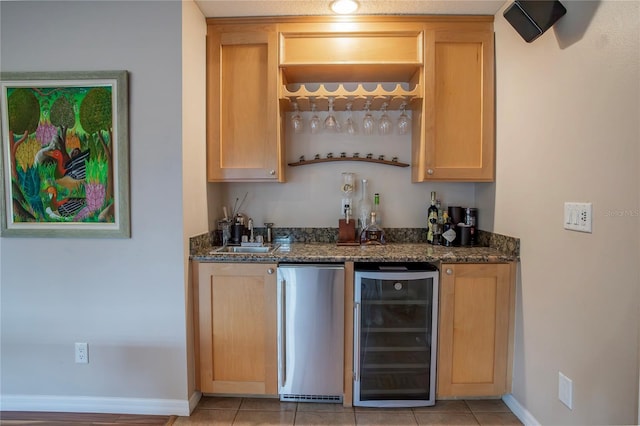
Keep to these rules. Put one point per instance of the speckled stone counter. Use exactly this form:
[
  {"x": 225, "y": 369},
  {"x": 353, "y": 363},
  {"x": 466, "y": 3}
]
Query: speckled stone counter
[{"x": 330, "y": 252}]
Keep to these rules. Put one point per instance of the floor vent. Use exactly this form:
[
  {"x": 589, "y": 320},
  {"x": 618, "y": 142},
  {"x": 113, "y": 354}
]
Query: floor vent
[{"x": 311, "y": 398}]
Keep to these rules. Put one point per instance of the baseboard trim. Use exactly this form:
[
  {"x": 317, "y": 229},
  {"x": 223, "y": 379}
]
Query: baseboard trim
[
  {"x": 194, "y": 400},
  {"x": 518, "y": 409},
  {"x": 85, "y": 404}
]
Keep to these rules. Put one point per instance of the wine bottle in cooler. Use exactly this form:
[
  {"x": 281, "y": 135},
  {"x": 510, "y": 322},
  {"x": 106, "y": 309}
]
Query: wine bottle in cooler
[{"x": 432, "y": 218}]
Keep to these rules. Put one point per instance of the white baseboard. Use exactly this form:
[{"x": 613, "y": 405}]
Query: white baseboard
[
  {"x": 521, "y": 413},
  {"x": 85, "y": 404}
]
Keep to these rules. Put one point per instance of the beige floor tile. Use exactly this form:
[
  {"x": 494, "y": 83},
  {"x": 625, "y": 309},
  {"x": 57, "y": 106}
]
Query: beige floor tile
[
  {"x": 445, "y": 406},
  {"x": 438, "y": 419},
  {"x": 201, "y": 417},
  {"x": 325, "y": 418},
  {"x": 267, "y": 418},
  {"x": 267, "y": 404},
  {"x": 385, "y": 418},
  {"x": 323, "y": 408},
  {"x": 487, "y": 406},
  {"x": 223, "y": 403},
  {"x": 497, "y": 419}
]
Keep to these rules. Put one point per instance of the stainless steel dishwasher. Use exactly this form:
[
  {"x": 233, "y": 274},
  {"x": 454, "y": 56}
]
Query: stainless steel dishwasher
[{"x": 310, "y": 332}]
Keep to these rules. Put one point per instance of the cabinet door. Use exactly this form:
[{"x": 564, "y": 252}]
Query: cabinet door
[
  {"x": 475, "y": 330},
  {"x": 458, "y": 141},
  {"x": 243, "y": 129},
  {"x": 236, "y": 328}
]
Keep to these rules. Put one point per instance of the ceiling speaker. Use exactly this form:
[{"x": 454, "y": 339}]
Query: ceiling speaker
[{"x": 531, "y": 18}]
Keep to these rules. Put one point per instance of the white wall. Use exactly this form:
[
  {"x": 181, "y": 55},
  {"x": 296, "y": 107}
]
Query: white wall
[
  {"x": 125, "y": 297},
  {"x": 568, "y": 130},
  {"x": 194, "y": 168},
  {"x": 311, "y": 196}
]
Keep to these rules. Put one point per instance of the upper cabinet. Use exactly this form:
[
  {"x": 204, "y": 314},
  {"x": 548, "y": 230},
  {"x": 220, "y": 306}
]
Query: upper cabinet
[
  {"x": 243, "y": 123},
  {"x": 440, "y": 66},
  {"x": 457, "y": 141}
]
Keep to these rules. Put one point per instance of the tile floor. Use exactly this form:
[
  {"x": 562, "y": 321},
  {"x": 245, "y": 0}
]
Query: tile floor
[{"x": 255, "y": 411}]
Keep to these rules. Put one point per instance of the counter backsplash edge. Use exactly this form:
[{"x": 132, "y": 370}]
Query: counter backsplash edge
[{"x": 502, "y": 243}]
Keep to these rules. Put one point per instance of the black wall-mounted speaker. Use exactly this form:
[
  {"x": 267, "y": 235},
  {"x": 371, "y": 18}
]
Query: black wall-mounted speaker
[{"x": 531, "y": 18}]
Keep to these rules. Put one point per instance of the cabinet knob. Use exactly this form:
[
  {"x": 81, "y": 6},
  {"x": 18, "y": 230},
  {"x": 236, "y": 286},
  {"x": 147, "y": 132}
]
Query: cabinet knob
[
  {"x": 429, "y": 171},
  {"x": 449, "y": 271},
  {"x": 270, "y": 271},
  {"x": 272, "y": 172}
]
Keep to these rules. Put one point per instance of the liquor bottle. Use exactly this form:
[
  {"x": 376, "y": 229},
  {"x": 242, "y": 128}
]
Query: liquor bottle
[
  {"x": 432, "y": 218},
  {"x": 437, "y": 228},
  {"x": 365, "y": 206},
  {"x": 449, "y": 231},
  {"x": 372, "y": 234},
  {"x": 376, "y": 208}
]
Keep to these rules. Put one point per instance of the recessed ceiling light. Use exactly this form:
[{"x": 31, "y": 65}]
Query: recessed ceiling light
[{"x": 344, "y": 7}]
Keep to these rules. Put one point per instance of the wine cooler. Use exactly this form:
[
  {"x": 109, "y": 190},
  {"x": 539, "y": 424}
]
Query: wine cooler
[{"x": 395, "y": 334}]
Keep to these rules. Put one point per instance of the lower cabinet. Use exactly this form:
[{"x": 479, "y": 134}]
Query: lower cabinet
[
  {"x": 236, "y": 328},
  {"x": 475, "y": 329}
]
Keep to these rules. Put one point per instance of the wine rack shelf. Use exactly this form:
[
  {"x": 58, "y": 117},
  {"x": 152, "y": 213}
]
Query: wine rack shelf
[
  {"x": 368, "y": 160},
  {"x": 394, "y": 94}
]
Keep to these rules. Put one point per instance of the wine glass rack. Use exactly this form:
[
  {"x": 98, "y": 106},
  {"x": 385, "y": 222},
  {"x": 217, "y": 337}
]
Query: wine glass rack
[{"x": 341, "y": 94}]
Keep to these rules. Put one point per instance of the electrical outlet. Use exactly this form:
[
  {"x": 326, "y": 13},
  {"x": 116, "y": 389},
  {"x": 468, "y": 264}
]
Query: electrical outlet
[
  {"x": 565, "y": 390},
  {"x": 577, "y": 217},
  {"x": 82, "y": 353}
]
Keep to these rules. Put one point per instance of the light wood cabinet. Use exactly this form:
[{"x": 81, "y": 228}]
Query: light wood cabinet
[
  {"x": 236, "y": 328},
  {"x": 243, "y": 122},
  {"x": 475, "y": 338},
  {"x": 457, "y": 141}
]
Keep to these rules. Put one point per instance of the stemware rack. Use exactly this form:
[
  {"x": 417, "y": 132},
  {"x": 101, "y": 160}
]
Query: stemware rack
[
  {"x": 368, "y": 160},
  {"x": 357, "y": 94}
]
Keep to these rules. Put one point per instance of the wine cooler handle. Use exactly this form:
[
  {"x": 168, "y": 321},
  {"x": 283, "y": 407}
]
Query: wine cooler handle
[
  {"x": 356, "y": 340},
  {"x": 283, "y": 333}
]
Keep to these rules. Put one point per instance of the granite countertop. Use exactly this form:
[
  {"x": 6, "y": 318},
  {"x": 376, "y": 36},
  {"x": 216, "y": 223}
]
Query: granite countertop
[{"x": 330, "y": 252}]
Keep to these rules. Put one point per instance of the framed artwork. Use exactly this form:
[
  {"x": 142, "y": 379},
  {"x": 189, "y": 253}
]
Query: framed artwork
[{"x": 65, "y": 154}]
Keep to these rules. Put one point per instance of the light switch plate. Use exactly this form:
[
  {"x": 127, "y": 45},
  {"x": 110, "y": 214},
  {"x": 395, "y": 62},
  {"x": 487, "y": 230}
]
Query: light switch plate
[
  {"x": 577, "y": 217},
  {"x": 565, "y": 390}
]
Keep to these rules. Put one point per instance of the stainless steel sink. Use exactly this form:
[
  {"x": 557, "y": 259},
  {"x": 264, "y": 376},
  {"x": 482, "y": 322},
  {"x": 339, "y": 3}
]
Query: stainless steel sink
[{"x": 266, "y": 249}]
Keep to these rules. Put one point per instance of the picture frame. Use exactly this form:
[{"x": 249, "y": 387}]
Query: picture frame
[{"x": 65, "y": 154}]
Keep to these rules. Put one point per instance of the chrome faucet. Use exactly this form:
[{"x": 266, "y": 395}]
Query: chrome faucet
[{"x": 251, "y": 237}]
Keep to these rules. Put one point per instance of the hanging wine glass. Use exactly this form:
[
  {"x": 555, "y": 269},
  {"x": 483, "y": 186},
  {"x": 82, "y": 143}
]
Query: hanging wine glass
[
  {"x": 296, "y": 119},
  {"x": 385, "y": 125},
  {"x": 314, "y": 123},
  {"x": 404, "y": 122},
  {"x": 330, "y": 123},
  {"x": 349, "y": 123},
  {"x": 368, "y": 122}
]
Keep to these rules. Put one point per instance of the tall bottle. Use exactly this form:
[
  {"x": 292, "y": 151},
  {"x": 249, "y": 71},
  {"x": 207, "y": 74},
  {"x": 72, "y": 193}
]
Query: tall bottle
[
  {"x": 432, "y": 218},
  {"x": 376, "y": 208},
  {"x": 365, "y": 207}
]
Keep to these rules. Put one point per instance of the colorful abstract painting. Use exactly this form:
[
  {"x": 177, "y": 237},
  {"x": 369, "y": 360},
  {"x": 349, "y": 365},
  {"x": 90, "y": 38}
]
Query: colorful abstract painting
[{"x": 65, "y": 154}]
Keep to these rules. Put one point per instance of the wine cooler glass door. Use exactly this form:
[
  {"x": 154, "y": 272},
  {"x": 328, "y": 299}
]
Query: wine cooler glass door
[{"x": 395, "y": 338}]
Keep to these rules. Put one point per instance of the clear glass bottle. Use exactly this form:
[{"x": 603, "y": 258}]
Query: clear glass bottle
[
  {"x": 365, "y": 206},
  {"x": 372, "y": 234}
]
